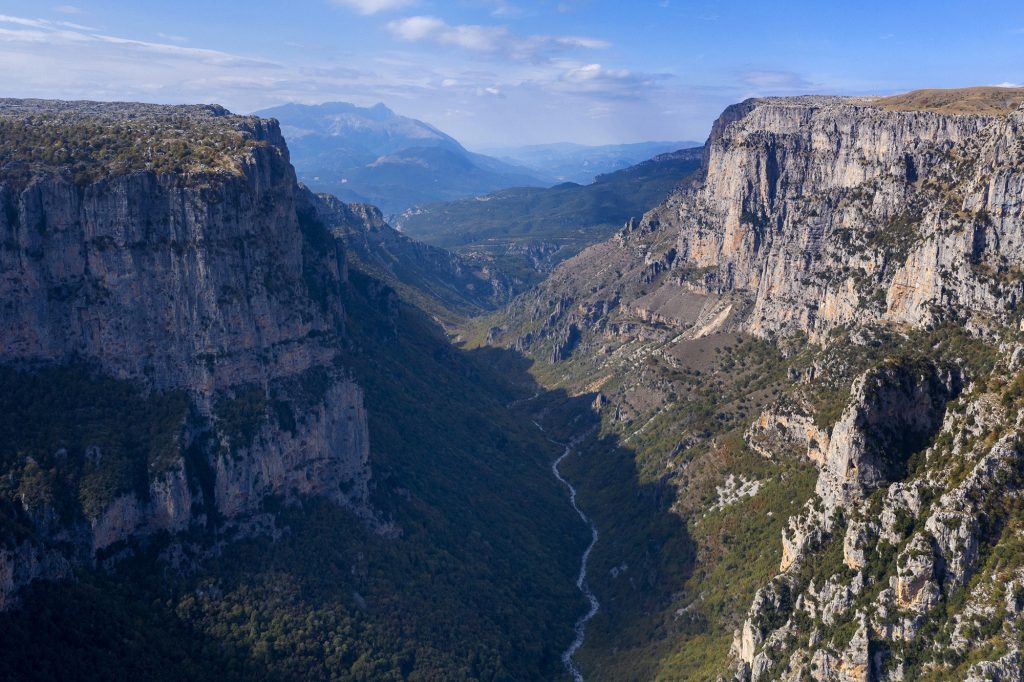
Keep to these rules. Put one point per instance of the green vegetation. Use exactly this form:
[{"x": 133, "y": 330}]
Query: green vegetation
[
  {"x": 86, "y": 148},
  {"x": 75, "y": 440},
  {"x": 898, "y": 236},
  {"x": 474, "y": 579},
  {"x": 522, "y": 227},
  {"x": 240, "y": 414},
  {"x": 674, "y": 572}
]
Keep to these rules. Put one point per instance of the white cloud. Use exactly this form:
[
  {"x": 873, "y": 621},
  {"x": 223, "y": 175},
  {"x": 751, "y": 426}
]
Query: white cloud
[
  {"x": 432, "y": 29},
  {"x": 367, "y": 7},
  {"x": 529, "y": 91},
  {"x": 67, "y": 9},
  {"x": 81, "y": 63},
  {"x": 173, "y": 38},
  {"x": 598, "y": 82},
  {"x": 21, "y": 21},
  {"x": 776, "y": 82},
  {"x": 486, "y": 39},
  {"x": 577, "y": 41}
]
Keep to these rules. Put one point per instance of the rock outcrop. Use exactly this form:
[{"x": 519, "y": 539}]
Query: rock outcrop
[
  {"x": 830, "y": 229},
  {"x": 215, "y": 281},
  {"x": 893, "y": 412},
  {"x": 441, "y": 281},
  {"x": 820, "y": 213},
  {"x": 816, "y": 204}
]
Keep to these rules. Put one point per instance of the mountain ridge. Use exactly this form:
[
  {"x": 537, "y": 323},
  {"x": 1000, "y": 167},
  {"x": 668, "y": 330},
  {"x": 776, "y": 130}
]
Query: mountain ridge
[
  {"x": 529, "y": 231},
  {"x": 373, "y": 155},
  {"x": 567, "y": 161}
]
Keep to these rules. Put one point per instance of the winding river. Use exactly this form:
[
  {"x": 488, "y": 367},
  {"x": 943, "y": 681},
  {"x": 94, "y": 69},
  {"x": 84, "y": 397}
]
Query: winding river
[{"x": 581, "y": 578}]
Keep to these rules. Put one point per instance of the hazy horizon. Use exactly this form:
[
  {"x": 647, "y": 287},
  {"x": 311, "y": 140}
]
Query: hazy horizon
[{"x": 501, "y": 73}]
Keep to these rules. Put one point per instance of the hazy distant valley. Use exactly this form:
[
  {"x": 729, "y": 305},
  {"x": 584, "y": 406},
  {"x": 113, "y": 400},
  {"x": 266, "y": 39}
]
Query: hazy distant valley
[
  {"x": 252, "y": 430},
  {"x": 374, "y": 155}
]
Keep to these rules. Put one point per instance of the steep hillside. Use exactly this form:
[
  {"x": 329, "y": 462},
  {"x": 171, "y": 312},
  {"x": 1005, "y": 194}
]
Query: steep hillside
[
  {"x": 447, "y": 286},
  {"x": 228, "y": 451},
  {"x": 529, "y": 230},
  {"x": 579, "y": 163},
  {"x": 373, "y": 155},
  {"x": 820, "y": 343}
]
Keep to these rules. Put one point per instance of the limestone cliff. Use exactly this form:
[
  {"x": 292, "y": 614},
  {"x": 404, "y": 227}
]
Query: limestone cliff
[
  {"x": 818, "y": 212},
  {"x": 875, "y": 245},
  {"x": 197, "y": 268}
]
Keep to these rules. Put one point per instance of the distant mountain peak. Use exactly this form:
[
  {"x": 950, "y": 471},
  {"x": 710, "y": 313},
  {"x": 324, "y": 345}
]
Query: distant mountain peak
[{"x": 374, "y": 155}]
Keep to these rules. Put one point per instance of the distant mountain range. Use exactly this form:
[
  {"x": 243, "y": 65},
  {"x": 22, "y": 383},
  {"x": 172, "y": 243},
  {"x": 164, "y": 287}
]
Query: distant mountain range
[
  {"x": 529, "y": 230},
  {"x": 373, "y": 155},
  {"x": 569, "y": 162}
]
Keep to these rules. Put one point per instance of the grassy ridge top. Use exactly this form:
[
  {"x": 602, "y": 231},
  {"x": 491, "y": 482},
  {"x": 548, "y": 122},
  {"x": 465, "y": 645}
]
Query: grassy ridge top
[
  {"x": 85, "y": 141},
  {"x": 987, "y": 101}
]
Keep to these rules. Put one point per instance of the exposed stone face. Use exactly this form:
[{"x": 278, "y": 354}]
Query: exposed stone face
[
  {"x": 205, "y": 283},
  {"x": 817, "y": 219},
  {"x": 776, "y": 431},
  {"x": 934, "y": 562},
  {"x": 859, "y": 535},
  {"x": 893, "y": 410},
  {"x": 955, "y": 525},
  {"x": 856, "y": 663},
  {"x": 821, "y": 212},
  {"x": 151, "y": 275},
  {"x": 24, "y": 563},
  {"x": 902, "y": 503},
  {"x": 451, "y": 281},
  {"x": 833, "y": 599},
  {"x": 803, "y": 532},
  {"x": 328, "y": 455},
  {"x": 814, "y": 203},
  {"x": 914, "y": 582},
  {"x": 1009, "y": 668}
]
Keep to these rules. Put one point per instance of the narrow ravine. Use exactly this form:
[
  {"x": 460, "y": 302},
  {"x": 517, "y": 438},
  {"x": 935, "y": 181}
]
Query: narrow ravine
[{"x": 581, "y": 579}]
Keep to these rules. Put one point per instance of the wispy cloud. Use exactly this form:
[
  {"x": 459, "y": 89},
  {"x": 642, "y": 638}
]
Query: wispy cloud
[
  {"x": 605, "y": 83},
  {"x": 513, "y": 87},
  {"x": 21, "y": 21},
  {"x": 501, "y": 8},
  {"x": 432, "y": 29},
  {"x": 62, "y": 33},
  {"x": 173, "y": 38},
  {"x": 776, "y": 82},
  {"x": 367, "y": 7},
  {"x": 67, "y": 9},
  {"x": 485, "y": 39}
]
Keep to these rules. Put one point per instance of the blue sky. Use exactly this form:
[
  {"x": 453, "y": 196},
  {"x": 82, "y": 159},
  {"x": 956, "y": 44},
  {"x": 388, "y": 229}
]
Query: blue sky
[{"x": 504, "y": 72}]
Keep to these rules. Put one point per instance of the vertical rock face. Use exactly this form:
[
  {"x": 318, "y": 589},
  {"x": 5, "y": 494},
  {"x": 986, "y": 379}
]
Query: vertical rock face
[
  {"x": 817, "y": 213},
  {"x": 154, "y": 275},
  {"x": 813, "y": 204},
  {"x": 328, "y": 454},
  {"x": 897, "y": 232},
  {"x": 213, "y": 279},
  {"x": 893, "y": 412},
  {"x": 441, "y": 279}
]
